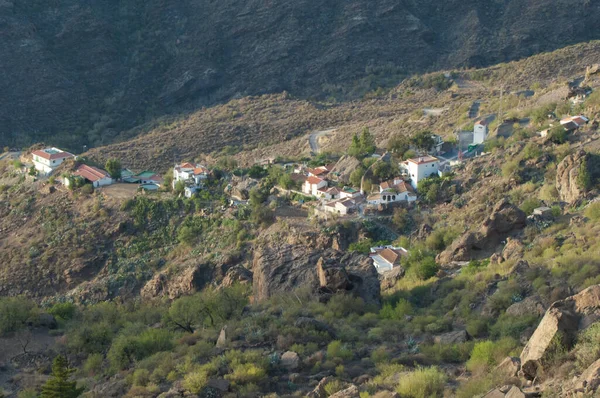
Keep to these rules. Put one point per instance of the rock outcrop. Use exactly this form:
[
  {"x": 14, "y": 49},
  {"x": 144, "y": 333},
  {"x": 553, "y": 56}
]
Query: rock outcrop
[
  {"x": 560, "y": 324},
  {"x": 505, "y": 219},
  {"x": 189, "y": 279},
  {"x": 530, "y": 306},
  {"x": 513, "y": 249},
  {"x": 280, "y": 266},
  {"x": 589, "y": 381},
  {"x": 567, "y": 173}
]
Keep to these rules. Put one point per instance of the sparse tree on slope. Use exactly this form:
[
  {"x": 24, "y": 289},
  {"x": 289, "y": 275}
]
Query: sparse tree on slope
[{"x": 59, "y": 386}]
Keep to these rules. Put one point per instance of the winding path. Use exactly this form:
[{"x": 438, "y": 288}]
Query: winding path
[{"x": 313, "y": 139}]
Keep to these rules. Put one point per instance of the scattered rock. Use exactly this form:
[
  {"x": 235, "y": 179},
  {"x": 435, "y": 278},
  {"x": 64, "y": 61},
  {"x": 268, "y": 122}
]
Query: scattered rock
[
  {"x": 222, "y": 340},
  {"x": 515, "y": 392},
  {"x": 282, "y": 265},
  {"x": 455, "y": 337},
  {"x": 390, "y": 278},
  {"x": 319, "y": 391},
  {"x": 504, "y": 220},
  {"x": 564, "y": 318},
  {"x": 290, "y": 360},
  {"x": 530, "y": 306},
  {"x": 219, "y": 384},
  {"x": 589, "y": 381},
  {"x": 513, "y": 249},
  {"x": 237, "y": 274},
  {"x": 508, "y": 367},
  {"x": 350, "y": 392},
  {"x": 495, "y": 393}
]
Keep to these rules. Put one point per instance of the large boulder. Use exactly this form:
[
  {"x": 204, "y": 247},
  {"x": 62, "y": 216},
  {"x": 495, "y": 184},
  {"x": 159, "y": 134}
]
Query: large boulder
[
  {"x": 185, "y": 279},
  {"x": 282, "y": 265},
  {"x": 560, "y": 324},
  {"x": 530, "y": 306},
  {"x": 290, "y": 360},
  {"x": 567, "y": 174},
  {"x": 350, "y": 392},
  {"x": 504, "y": 220},
  {"x": 513, "y": 249}
]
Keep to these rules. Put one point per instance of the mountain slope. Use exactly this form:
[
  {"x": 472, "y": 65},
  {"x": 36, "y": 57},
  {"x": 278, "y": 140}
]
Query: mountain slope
[{"x": 82, "y": 72}]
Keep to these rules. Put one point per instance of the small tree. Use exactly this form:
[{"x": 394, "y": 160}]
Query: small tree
[
  {"x": 113, "y": 166},
  {"x": 59, "y": 386},
  {"x": 584, "y": 177},
  {"x": 179, "y": 188},
  {"x": 32, "y": 171},
  {"x": 367, "y": 142},
  {"x": 398, "y": 145},
  {"x": 423, "y": 140},
  {"x": 557, "y": 134},
  {"x": 168, "y": 180},
  {"x": 356, "y": 176},
  {"x": 355, "y": 149}
]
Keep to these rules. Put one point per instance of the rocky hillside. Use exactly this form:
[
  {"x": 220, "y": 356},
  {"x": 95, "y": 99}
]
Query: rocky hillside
[{"x": 79, "y": 73}]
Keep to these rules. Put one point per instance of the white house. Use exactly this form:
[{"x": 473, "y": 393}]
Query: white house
[
  {"x": 349, "y": 193},
  {"x": 421, "y": 168},
  {"x": 385, "y": 258},
  {"x": 340, "y": 206},
  {"x": 480, "y": 132},
  {"x": 46, "y": 160},
  {"x": 189, "y": 173},
  {"x": 97, "y": 177},
  {"x": 329, "y": 193},
  {"x": 312, "y": 185}
]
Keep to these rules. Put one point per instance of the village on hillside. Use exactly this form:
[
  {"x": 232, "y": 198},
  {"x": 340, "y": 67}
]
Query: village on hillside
[{"x": 366, "y": 182}]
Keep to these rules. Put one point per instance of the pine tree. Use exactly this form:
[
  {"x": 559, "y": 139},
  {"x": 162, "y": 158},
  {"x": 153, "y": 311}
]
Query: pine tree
[
  {"x": 59, "y": 386},
  {"x": 367, "y": 142},
  {"x": 355, "y": 147}
]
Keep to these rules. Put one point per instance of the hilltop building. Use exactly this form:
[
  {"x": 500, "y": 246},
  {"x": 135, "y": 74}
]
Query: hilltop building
[
  {"x": 47, "y": 160},
  {"x": 480, "y": 132}
]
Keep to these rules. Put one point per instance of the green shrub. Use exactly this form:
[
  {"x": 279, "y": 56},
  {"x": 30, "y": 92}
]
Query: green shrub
[
  {"x": 336, "y": 349},
  {"x": 129, "y": 347},
  {"x": 140, "y": 377},
  {"x": 422, "y": 383},
  {"x": 529, "y": 205},
  {"x": 511, "y": 326},
  {"x": 477, "y": 327},
  {"x": 487, "y": 354},
  {"x": 333, "y": 386},
  {"x": 592, "y": 211},
  {"x": 195, "y": 381},
  {"x": 424, "y": 269},
  {"x": 587, "y": 349},
  {"x": 243, "y": 373},
  {"x": 64, "y": 311},
  {"x": 380, "y": 355},
  {"x": 14, "y": 312},
  {"x": 93, "y": 364}
]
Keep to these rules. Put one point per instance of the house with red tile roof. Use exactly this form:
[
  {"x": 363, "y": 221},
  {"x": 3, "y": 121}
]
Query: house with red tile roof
[
  {"x": 190, "y": 174},
  {"x": 312, "y": 185},
  {"x": 385, "y": 258},
  {"x": 48, "y": 159},
  {"x": 97, "y": 177}
]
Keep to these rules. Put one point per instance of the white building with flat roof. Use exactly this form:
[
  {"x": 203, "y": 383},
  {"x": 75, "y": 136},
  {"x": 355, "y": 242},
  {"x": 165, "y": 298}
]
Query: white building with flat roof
[
  {"x": 48, "y": 159},
  {"x": 421, "y": 168}
]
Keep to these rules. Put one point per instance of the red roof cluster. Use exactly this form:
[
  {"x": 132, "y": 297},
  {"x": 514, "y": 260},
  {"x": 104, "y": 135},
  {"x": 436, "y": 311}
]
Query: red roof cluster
[
  {"x": 52, "y": 154},
  {"x": 91, "y": 173}
]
